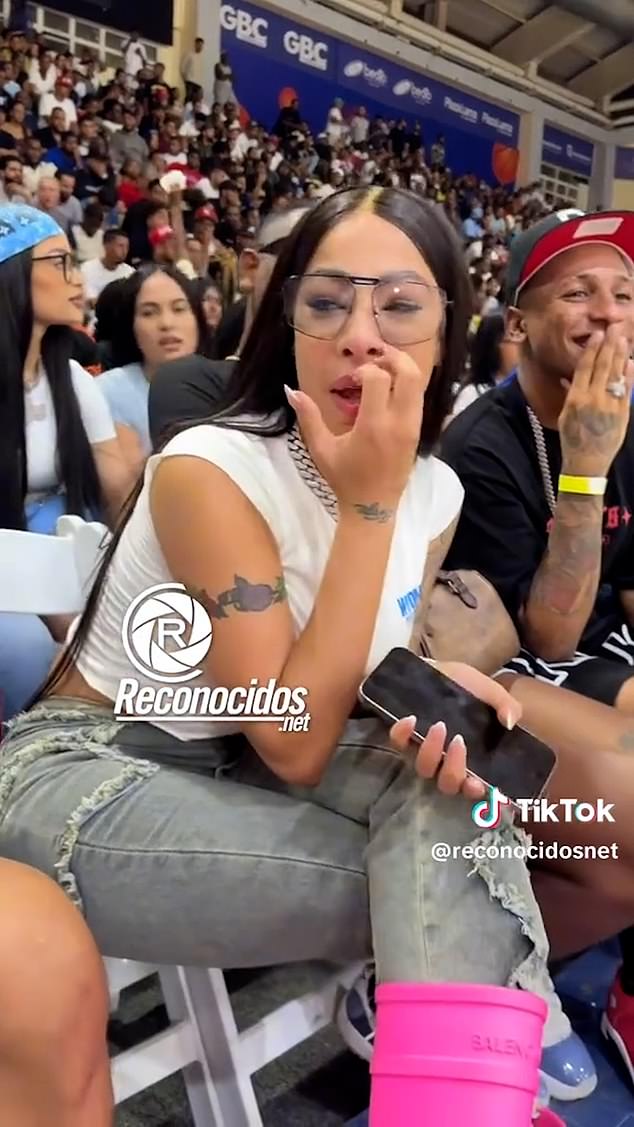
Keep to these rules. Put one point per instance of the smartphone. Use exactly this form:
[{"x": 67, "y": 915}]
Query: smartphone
[{"x": 517, "y": 763}]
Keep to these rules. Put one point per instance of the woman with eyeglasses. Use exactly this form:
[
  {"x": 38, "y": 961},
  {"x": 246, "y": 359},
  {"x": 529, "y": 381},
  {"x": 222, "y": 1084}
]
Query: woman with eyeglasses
[
  {"x": 58, "y": 447},
  {"x": 292, "y": 524}
]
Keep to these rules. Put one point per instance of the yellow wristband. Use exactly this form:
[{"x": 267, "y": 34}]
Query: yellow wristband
[{"x": 586, "y": 486}]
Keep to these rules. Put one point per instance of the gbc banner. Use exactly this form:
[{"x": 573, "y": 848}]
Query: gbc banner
[
  {"x": 567, "y": 151},
  {"x": 624, "y": 164},
  {"x": 282, "y": 40},
  {"x": 276, "y": 59}
]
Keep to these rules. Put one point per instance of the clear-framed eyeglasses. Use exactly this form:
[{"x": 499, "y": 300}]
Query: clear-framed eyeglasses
[{"x": 406, "y": 311}]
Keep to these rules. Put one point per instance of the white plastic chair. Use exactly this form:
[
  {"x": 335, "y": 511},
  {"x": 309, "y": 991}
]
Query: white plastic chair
[{"x": 52, "y": 575}]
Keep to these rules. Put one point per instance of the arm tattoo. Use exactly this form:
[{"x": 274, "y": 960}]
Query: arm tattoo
[
  {"x": 243, "y": 596},
  {"x": 569, "y": 572},
  {"x": 374, "y": 512},
  {"x": 626, "y": 742}
]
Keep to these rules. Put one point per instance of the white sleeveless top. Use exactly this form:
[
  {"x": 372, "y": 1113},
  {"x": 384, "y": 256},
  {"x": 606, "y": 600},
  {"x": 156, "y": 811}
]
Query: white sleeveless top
[{"x": 265, "y": 472}]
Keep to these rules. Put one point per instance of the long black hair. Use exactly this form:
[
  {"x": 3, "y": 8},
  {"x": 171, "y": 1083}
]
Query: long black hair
[
  {"x": 268, "y": 362},
  {"x": 124, "y": 347},
  {"x": 486, "y": 358},
  {"x": 76, "y": 465}
]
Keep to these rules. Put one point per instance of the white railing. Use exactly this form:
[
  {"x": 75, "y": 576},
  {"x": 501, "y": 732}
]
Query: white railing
[{"x": 69, "y": 33}]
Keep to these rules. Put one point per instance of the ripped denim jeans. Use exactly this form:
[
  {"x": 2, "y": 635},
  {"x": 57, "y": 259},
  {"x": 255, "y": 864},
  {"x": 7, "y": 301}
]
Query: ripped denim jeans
[{"x": 196, "y": 854}]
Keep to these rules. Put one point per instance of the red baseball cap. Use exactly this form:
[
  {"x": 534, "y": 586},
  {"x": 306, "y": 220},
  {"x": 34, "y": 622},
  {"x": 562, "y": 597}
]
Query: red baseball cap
[
  {"x": 206, "y": 212},
  {"x": 161, "y": 235},
  {"x": 563, "y": 230}
]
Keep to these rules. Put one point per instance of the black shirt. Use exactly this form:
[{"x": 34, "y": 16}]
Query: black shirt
[
  {"x": 184, "y": 391},
  {"x": 505, "y": 520}
]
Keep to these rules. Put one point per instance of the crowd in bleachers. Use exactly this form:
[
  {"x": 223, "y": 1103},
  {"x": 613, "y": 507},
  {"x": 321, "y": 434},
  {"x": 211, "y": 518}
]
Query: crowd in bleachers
[
  {"x": 140, "y": 227},
  {"x": 91, "y": 148}
]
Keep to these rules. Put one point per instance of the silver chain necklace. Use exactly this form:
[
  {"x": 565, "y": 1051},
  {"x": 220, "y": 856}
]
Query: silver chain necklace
[
  {"x": 309, "y": 473},
  {"x": 542, "y": 458}
]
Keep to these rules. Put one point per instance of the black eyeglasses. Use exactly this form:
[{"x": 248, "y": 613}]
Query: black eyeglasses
[
  {"x": 68, "y": 261},
  {"x": 406, "y": 311}
]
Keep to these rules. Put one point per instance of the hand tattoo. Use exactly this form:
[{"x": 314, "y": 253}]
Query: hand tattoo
[
  {"x": 243, "y": 596},
  {"x": 374, "y": 512}
]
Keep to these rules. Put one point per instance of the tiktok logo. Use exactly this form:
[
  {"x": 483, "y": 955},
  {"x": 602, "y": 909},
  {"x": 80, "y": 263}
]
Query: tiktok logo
[{"x": 487, "y": 814}]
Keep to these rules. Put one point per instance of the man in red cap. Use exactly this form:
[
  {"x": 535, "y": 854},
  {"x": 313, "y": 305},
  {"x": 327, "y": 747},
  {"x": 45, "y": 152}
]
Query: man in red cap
[
  {"x": 167, "y": 252},
  {"x": 59, "y": 99},
  {"x": 547, "y": 463}
]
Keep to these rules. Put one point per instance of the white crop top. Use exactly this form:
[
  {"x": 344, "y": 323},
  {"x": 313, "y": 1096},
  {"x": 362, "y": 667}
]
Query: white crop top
[{"x": 265, "y": 472}]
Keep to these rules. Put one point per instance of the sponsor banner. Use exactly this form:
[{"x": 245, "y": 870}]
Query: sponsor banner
[
  {"x": 282, "y": 40},
  {"x": 624, "y": 164},
  {"x": 411, "y": 93},
  {"x": 567, "y": 151},
  {"x": 365, "y": 75}
]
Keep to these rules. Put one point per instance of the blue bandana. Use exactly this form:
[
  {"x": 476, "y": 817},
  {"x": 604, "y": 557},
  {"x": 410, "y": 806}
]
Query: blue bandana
[{"x": 23, "y": 227}]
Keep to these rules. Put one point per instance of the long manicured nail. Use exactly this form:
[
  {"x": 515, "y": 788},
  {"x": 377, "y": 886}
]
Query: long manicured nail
[
  {"x": 509, "y": 721},
  {"x": 437, "y": 728},
  {"x": 291, "y": 395},
  {"x": 458, "y": 742}
]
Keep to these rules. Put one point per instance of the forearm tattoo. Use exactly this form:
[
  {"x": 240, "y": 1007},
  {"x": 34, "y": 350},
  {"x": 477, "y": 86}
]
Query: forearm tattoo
[
  {"x": 243, "y": 597},
  {"x": 570, "y": 569},
  {"x": 374, "y": 512}
]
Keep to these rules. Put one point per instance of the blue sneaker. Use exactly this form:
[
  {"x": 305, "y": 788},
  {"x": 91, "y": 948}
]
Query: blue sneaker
[
  {"x": 356, "y": 1016},
  {"x": 568, "y": 1070}
]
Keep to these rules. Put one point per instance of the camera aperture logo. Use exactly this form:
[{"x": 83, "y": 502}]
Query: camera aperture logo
[{"x": 166, "y": 635}]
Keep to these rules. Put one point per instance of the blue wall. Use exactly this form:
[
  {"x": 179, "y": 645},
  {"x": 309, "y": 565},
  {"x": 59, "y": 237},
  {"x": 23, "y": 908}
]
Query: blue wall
[
  {"x": 272, "y": 55},
  {"x": 566, "y": 150}
]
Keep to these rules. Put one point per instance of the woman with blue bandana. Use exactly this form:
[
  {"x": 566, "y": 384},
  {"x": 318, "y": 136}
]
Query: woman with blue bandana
[{"x": 58, "y": 447}]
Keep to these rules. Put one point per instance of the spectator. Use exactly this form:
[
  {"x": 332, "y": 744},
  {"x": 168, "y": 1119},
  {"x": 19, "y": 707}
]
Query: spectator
[
  {"x": 60, "y": 99},
  {"x": 193, "y": 388},
  {"x": 87, "y": 236},
  {"x": 13, "y": 188},
  {"x": 158, "y": 319},
  {"x": 192, "y": 71},
  {"x": 128, "y": 144},
  {"x": 100, "y": 272},
  {"x": 134, "y": 55},
  {"x": 48, "y": 194},
  {"x": 51, "y": 134},
  {"x": 35, "y": 165},
  {"x": 15, "y": 123},
  {"x": 58, "y": 448},
  {"x": 223, "y": 81},
  {"x": 130, "y": 190},
  {"x": 210, "y": 298},
  {"x": 43, "y": 73},
  {"x": 69, "y": 212},
  {"x": 96, "y": 180},
  {"x": 494, "y": 356},
  {"x": 65, "y": 157},
  {"x": 168, "y": 250}
]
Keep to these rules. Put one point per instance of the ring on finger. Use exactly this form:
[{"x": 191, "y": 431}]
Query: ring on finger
[{"x": 617, "y": 389}]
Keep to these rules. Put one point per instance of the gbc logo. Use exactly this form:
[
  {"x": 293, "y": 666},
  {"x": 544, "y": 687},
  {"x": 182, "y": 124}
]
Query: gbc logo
[
  {"x": 248, "y": 29},
  {"x": 309, "y": 52}
]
